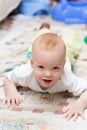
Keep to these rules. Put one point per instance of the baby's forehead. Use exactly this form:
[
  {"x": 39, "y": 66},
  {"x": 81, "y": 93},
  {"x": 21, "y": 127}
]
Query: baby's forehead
[{"x": 47, "y": 58}]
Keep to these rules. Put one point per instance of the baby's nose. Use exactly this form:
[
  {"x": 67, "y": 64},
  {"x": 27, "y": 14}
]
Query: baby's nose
[{"x": 48, "y": 73}]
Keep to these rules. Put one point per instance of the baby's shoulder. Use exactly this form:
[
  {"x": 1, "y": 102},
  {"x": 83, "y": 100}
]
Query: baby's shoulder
[
  {"x": 23, "y": 70},
  {"x": 67, "y": 75}
]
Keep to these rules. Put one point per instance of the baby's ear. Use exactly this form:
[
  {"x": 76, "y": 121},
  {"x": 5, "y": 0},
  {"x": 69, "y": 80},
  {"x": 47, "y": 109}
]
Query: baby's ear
[
  {"x": 64, "y": 62},
  {"x": 31, "y": 62}
]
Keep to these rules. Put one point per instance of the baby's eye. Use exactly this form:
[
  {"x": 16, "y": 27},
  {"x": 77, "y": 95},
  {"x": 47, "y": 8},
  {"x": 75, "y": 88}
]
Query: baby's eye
[
  {"x": 55, "y": 68},
  {"x": 41, "y": 67}
]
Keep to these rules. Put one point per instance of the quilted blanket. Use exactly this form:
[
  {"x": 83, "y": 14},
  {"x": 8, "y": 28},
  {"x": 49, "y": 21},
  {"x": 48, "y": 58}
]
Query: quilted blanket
[{"x": 38, "y": 111}]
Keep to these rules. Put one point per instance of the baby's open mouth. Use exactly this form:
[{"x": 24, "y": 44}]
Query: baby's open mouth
[{"x": 47, "y": 81}]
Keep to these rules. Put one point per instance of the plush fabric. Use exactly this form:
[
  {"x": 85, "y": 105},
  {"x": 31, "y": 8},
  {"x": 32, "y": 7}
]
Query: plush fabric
[
  {"x": 7, "y": 6},
  {"x": 38, "y": 111}
]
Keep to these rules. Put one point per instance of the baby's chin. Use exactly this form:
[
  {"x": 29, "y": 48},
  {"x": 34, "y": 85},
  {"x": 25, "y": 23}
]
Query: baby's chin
[
  {"x": 46, "y": 84},
  {"x": 44, "y": 88}
]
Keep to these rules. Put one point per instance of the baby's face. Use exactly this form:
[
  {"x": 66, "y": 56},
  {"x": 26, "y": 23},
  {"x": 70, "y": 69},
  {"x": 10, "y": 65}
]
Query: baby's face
[{"x": 48, "y": 67}]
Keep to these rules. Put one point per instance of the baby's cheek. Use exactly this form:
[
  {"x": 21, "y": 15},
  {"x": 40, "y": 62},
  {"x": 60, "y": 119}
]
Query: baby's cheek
[
  {"x": 38, "y": 75},
  {"x": 58, "y": 76}
]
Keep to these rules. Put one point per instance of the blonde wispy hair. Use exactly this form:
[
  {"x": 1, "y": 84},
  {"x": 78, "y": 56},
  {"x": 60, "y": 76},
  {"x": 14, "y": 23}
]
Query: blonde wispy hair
[{"x": 48, "y": 41}]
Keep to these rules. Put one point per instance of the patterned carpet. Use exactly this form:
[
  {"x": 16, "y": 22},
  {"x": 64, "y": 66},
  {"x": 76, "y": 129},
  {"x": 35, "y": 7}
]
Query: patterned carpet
[{"x": 38, "y": 111}]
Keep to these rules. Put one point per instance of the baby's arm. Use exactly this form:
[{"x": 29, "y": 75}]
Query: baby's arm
[
  {"x": 12, "y": 95},
  {"x": 77, "y": 109}
]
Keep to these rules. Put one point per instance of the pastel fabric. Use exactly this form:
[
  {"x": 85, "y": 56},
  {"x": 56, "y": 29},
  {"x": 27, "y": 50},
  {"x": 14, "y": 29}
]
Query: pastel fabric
[
  {"x": 73, "y": 44},
  {"x": 72, "y": 41}
]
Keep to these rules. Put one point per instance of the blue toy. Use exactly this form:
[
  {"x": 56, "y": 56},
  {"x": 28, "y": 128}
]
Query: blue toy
[
  {"x": 70, "y": 12},
  {"x": 35, "y": 7}
]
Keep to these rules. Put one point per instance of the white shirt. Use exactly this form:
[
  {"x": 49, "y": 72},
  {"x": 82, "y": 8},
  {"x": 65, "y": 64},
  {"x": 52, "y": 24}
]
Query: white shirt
[{"x": 24, "y": 76}]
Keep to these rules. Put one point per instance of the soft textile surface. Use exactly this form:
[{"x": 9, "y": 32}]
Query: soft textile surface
[
  {"x": 7, "y": 6},
  {"x": 38, "y": 111}
]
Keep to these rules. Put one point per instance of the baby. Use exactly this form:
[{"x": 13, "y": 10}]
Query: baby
[{"x": 48, "y": 70}]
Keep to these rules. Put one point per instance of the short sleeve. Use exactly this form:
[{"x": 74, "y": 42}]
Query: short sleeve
[
  {"x": 20, "y": 75},
  {"x": 78, "y": 85},
  {"x": 73, "y": 83}
]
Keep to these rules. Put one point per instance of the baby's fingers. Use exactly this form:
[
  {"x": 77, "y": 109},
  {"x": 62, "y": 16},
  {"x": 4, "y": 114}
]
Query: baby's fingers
[
  {"x": 82, "y": 115},
  {"x": 7, "y": 102},
  {"x": 13, "y": 102},
  {"x": 68, "y": 115},
  {"x": 75, "y": 117},
  {"x": 19, "y": 100},
  {"x": 4, "y": 101}
]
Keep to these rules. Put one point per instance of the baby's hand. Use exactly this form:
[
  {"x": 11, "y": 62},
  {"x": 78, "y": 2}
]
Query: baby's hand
[
  {"x": 73, "y": 111},
  {"x": 13, "y": 100}
]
